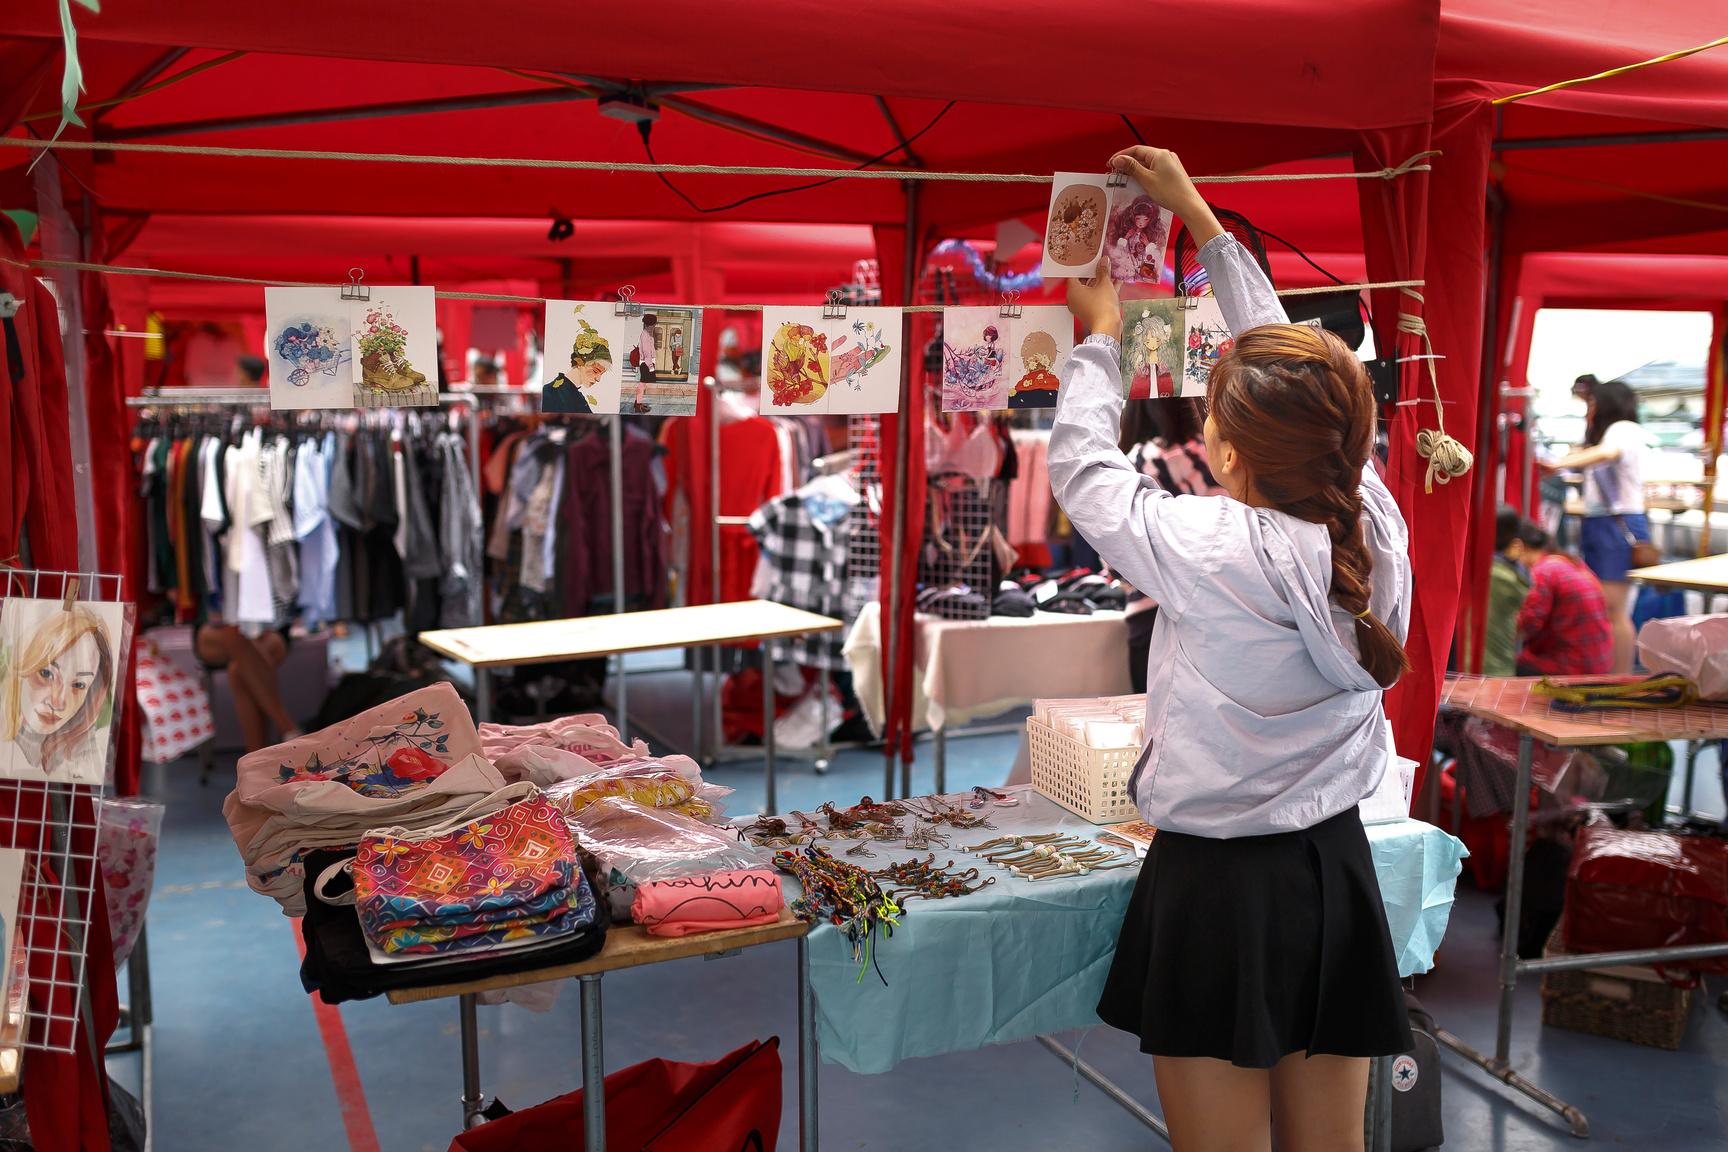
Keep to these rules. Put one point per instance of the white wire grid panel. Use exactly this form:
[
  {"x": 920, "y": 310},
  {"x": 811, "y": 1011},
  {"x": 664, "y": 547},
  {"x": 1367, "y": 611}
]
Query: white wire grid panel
[
  {"x": 864, "y": 540},
  {"x": 55, "y": 825}
]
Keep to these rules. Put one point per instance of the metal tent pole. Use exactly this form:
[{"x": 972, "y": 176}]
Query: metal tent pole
[
  {"x": 891, "y": 638},
  {"x": 714, "y": 547},
  {"x": 618, "y": 566}
]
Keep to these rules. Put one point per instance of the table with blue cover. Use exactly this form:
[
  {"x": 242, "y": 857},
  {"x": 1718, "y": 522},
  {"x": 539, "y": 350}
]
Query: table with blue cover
[{"x": 1024, "y": 957}]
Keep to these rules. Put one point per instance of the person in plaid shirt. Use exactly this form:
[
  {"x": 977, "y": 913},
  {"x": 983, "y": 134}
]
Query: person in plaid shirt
[{"x": 1564, "y": 620}]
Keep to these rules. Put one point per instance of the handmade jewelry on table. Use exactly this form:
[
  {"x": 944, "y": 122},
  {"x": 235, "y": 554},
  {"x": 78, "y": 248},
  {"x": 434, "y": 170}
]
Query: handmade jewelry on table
[
  {"x": 1015, "y": 841},
  {"x": 843, "y": 894},
  {"x": 938, "y": 811},
  {"x": 923, "y": 878},
  {"x": 772, "y": 832}
]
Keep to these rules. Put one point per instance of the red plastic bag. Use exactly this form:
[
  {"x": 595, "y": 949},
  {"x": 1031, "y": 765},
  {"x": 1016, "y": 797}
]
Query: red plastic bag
[
  {"x": 727, "y": 1105},
  {"x": 1631, "y": 890}
]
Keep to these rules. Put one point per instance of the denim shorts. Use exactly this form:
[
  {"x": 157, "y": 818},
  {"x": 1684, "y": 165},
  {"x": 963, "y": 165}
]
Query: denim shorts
[{"x": 1604, "y": 546}]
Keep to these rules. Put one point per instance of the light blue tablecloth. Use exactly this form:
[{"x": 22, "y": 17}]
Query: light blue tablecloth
[{"x": 1023, "y": 957}]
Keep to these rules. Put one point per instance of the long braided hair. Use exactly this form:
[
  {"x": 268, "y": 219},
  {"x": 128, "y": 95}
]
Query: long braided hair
[{"x": 1296, "y": 403}]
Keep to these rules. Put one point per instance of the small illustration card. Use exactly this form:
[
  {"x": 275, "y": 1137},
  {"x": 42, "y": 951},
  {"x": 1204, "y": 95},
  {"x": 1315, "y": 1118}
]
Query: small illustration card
[
  {"x": 1136, "y": 236},
  {"x": 586, "y": 357},
  {"x": 1089, "y": 216},
  {"x": 395, "y": 347},
  {"x": 12, "y": 862},
  {"x": 813, "y": 365},
  {"x": 992, "y": 362},
  {"x": 306, "y": 340},
  {"x": 661, "y": 372},
  {"x": 1074, "y": 228},
  {"x": 1208, "y": 338},
  {"x": 58, "y": 669},
  {"x": 1154, "y": 334}
]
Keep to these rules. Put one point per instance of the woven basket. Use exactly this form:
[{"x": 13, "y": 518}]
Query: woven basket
[
  {"x": 1625, "y": 1003},
  {"x": 1090, "y": 782}
]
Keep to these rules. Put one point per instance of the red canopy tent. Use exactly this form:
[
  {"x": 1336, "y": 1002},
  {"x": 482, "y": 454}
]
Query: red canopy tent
[{"x": 1041, "y": 91}]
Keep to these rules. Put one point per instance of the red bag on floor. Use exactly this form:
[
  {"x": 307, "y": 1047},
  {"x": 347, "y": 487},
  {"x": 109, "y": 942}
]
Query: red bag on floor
[
  {"x": 729, "y": 1105},
  {"x": 1631, "y": 890}
]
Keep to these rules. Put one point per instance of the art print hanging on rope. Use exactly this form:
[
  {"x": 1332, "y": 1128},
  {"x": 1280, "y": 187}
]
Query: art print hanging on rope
[
  {"x": 1154, "y": 334},
  {"x": 58, "y": 670},
  {"x": 395, "y": 347},
  {"x": 1208, "y": 339},
  {"x": 306, "y": 342},
  {"x": 585, "y": 357},
  {"x": 993, "y": 362},
  {"x": 1090, "y": 217},
  {"x": 661, "y": 372},
  {"x": 814, "y": 365}
]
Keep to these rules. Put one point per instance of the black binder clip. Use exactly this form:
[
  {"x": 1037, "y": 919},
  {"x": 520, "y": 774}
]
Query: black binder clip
[
  {"x": 1010, "y": 308},
  {"x": 626, "y": 305},
  {"x": 1116, "y": 180},
  {"x": 354, "y": 289},
  {"x": 835, "y": 309}
]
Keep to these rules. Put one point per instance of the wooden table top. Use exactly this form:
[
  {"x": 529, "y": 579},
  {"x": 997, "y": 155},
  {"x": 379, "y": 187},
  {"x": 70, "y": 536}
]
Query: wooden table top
[
  {"x": 580, "y": 637},
  {"x": 1706, "y": 574},
  {"x": 627, "y": 946},
  {"x": 1509, "y": 701}
]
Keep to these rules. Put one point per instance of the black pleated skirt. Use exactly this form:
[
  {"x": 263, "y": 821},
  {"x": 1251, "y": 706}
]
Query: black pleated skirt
[{"x": 1250, "y": 949}]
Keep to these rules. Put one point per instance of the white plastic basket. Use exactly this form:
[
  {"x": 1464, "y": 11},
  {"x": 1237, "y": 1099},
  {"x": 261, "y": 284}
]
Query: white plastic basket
[{"x": 1090, "y": 782}]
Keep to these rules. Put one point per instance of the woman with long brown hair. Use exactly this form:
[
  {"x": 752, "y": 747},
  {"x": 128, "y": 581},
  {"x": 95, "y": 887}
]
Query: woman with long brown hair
[{"x": 1254, "y": 963}]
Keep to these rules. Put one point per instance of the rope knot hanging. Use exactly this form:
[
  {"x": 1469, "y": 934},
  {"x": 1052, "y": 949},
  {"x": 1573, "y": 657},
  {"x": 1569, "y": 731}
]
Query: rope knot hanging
[{"x": 1446, "y": 457}]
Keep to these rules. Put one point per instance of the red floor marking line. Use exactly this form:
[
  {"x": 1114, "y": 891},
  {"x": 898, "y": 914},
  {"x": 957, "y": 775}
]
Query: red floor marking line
[{"x": 356, "y": 1117}]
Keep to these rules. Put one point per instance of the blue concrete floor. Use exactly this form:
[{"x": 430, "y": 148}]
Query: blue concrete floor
[{"x": 239, "y": 1061}]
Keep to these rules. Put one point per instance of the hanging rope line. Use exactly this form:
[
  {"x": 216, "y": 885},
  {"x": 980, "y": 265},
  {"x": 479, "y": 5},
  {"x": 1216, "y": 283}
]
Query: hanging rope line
[
  {"x": 125, "y": 270},
  {"x": 1446, "y": 457},
  {"x": 1414, "y": 164},
  {"x": 1621, "y": 71}
]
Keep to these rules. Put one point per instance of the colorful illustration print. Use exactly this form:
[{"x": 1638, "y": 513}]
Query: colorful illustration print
[
  {"x": 974, "y": 359},
  {"x": 1153, "y": 348},
  {"x": 307, "y": 343},
  {"x": 1074, "y": 230},
  {"x": 1208, "y": 339},
  {"x": 814, "y": 364},
  {"x": 1041, "y": 341},
  {"x": 1136, "y": 236},
  {"x": 395, "y": 348},
  {"x": 798, "y": 368},
  {"x": 58, "y": 669},
  {"x": 584, "y": 350}
]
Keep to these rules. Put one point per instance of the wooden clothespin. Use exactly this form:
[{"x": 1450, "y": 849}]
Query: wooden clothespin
[{"x": 72, "y": 585}]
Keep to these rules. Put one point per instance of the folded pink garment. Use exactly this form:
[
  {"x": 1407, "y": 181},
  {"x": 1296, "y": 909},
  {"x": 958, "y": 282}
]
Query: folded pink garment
[
  {"x": 588, "y": 735},
  {"x": 709, "y": 902}
]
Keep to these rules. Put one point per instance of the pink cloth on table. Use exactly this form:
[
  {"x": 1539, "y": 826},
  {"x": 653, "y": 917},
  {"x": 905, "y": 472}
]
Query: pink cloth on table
[
  {"x": 588, "y": 735},
  {"x": 709, "y": 902}
]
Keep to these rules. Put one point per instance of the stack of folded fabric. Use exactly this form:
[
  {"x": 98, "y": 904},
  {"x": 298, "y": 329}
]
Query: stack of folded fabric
[
  {"x": 1076, "y": 592},
  {"x": 1100, "y": 722},
  {"x": 412, "y": 763},
  {"x": 484, "y": 881}
]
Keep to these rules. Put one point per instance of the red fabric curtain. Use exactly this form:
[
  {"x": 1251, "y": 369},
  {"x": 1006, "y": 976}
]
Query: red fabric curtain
[
  {"x": 1429, "y": 227},
  {"x": 891, "y": 260}
]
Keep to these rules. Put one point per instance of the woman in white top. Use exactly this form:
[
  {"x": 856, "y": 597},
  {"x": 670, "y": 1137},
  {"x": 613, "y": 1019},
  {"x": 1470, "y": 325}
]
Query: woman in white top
[
  {"x": 1254, "y": 963},
  {"x": 1612, "y": 460}
]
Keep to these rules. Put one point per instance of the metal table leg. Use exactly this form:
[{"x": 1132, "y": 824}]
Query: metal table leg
[
  {"x": 593, "y": 1067},
  {"x": 768, "y": 727},
  {"x": 483, "y": 695},
  {"x": 1378, "y": 1129},
  {"x": 941, "y": 760},
  {"x": 808, "y": 1053},
  {"x": 472, "y": 1100},
  {"x": 1514, "y": 899},
  {"x": 1692, "y": 747},
  {"x": 1104, "y": 1084},
  {"x": 1500, "y": 1067}
]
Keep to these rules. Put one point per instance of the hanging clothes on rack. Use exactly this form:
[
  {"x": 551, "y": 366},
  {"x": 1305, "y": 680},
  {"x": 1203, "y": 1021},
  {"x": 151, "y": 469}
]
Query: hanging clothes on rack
[
  {"x": 804, "y": 536},
  {"x": 587, "y": 519}
]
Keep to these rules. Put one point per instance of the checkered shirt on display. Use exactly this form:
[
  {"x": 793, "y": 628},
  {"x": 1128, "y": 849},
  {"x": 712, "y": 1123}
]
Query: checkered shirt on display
[{"x": 807, "y": 569}]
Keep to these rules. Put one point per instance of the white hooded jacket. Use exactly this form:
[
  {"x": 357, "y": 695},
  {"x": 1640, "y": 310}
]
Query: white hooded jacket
[{"x": 1259, "y": 718}]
